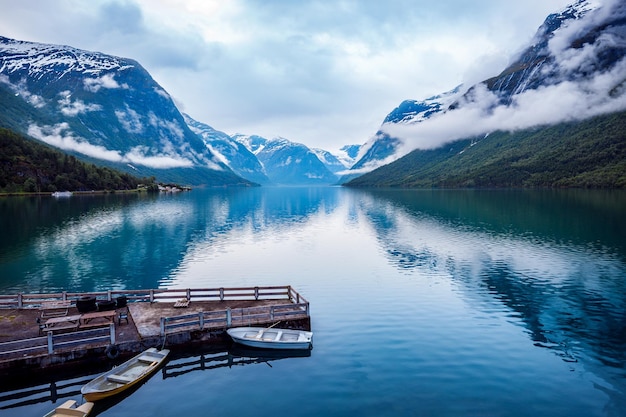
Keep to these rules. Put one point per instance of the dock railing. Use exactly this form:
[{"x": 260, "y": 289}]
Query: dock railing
[
  {"x": 53, "y": 343},
  {"x": 220, "y": 319},
  {"x": 22, "y": 300},
  {"x": 295, "y": 307}
]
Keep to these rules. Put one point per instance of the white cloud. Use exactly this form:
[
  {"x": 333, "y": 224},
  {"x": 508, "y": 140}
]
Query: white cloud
[
  {"x": 130, "y": 120},
  {"x": 74, "y": 108},
  {"x": 566, "y": 101},
  {"x": 57, "y": 136},
  {"x": 60, "y": 137},
  {"x": 106, "y": 81},
  {"x": 21, "y": 89}
]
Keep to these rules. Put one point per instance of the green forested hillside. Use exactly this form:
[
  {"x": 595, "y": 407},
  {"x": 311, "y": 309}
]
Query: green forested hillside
[
  {"x": 587, "y": 154},
  {"x": 29, "y": 166}
]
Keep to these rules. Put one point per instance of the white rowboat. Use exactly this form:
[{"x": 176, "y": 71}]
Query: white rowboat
[
  {"x": 124, "y": 376},
  {"x": 68, "y": 408},
  {"x": 271, "y": 338}
]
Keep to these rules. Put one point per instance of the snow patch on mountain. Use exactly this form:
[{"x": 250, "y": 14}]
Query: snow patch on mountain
[{"x": 40, "y": 59}]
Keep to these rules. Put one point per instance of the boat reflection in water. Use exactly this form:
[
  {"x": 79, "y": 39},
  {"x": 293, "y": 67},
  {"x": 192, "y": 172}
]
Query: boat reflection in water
[
  {"x": 236, "y": 355},
  {"x": 52, "y": 390}
]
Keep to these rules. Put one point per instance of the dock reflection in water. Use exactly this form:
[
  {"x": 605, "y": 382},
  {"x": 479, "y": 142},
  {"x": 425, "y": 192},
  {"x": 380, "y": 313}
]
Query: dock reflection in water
[{"x": 45, "y": 393}]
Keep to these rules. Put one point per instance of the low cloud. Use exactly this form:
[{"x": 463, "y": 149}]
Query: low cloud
[
  {"x": 563, "y": 102},
  {"x": 74, "y": 108},
  {"x": 60, "y": 137},
  {"x": 106, "y": 81},
  {"x": 20, "y": 89},
  {"x": 130, "y": 120}
]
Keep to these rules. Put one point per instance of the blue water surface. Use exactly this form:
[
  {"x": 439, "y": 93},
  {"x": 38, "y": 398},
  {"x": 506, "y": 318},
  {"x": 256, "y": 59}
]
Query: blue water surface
[{"x": 423, "y": 303}]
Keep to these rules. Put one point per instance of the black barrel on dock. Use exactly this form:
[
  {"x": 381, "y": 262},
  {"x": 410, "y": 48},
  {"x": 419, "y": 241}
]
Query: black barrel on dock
[{"x": 86, "y": 304}]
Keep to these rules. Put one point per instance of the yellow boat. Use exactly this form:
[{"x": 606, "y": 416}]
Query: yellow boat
[
  {"x": 68, "y": 409},
  {"x": 124, "y": 376}
]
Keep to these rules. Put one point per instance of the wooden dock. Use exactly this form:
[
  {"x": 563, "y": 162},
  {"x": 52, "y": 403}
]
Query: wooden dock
[{"x": 46, "y": 330}]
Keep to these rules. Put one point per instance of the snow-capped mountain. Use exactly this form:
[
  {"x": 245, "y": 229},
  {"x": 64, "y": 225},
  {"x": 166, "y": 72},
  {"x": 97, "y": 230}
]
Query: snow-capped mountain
[
  {"x": 104, "y": 108},
  {"x": 253, "y": 143},
  {"x": 382, "y": 146},
  {"x": 414, "y": 111},
  {"x": 334, "y": 163},
  {"x": 233, "y": 153},
  {"x": 576, "y": 57},
  {"x": 584, "y": 39},
  {"x": 572, "y": 76},
  {"x": 290, "y": 163}
]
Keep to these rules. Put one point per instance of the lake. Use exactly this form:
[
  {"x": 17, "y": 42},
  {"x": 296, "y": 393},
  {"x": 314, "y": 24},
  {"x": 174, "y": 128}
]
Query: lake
[{"x": 423, "y": 302}]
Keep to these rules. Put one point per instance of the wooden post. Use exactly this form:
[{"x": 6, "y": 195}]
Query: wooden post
[
  {"x": 188, "y": 294},
  {"x": 201, "y": 319},
  {"x": 112, "y": 330},
  {"x": 20, "y": 301},
  {"x": 229, "y": 317},
  {"x": 50, "y": 345},
  {"x": 256, "y": 293},
  {"x": 162, "y": 326},
  {"x": 271, "y": 312},
  {"x": 109, "y": 295},
  {"x": 64, "y": 296},
  {"x": 221, "y": 293},
  {"x": 152, "y": 296}
]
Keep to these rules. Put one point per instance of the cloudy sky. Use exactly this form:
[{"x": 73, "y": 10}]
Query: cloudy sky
[{"x": 324, "y": 73}]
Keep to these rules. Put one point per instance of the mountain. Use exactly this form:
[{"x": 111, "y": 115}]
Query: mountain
[
  {"x": 557, "y": 41},
  {"x": 573, "y": 74},
  {"x": 584, "y": 154},
  {"x": 334, "y": 163},
  {"x": 233, "y": 153},
  {"x": 290, "y": 163},
  {"x": 104, "y": 109},
  {"x": 253, "y": 143},
  {"x": 382, "y": 146}
]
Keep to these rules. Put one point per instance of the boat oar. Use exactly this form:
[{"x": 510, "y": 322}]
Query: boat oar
[{"x": 260, "y": 334}]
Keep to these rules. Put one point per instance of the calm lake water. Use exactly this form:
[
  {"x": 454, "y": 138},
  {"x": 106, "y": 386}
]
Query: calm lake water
[{"x": 423, "y": 303}]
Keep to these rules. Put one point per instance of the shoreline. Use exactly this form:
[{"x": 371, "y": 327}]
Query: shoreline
[{"x": 98, "y": 192}]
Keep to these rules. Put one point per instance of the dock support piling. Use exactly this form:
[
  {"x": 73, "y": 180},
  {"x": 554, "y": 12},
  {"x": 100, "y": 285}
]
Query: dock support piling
[
  {"x": 50, "y": 345},
  {"x": 201, "y": 319}
]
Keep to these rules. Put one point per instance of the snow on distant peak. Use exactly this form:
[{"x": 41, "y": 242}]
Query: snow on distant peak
[
  {"x": 581, "y": 7},
  {"x": 42, "y": 58}
]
